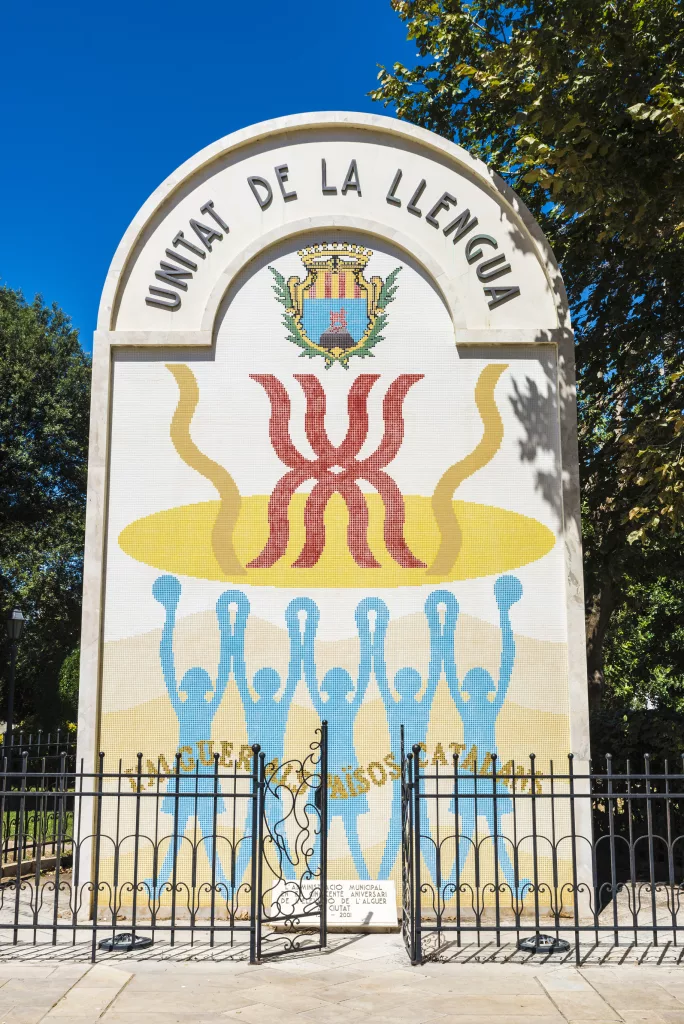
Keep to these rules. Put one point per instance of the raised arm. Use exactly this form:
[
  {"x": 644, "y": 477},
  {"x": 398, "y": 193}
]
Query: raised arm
[
  {"x": 442, "y": 652},
  {"x": 232, "y": 645},
  {"x": 302, "y": 654},
  {"x": 167, "y": 590},
  {"x": 507, "y": 590},
  {"x": 372, "y": 641}
]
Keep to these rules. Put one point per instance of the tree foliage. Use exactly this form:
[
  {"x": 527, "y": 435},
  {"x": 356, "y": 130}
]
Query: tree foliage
[
  {"x": 68, "y": 686},
  {"x": 44, "y": 404},
  {"x": 643, "y": 708},
  {"x": 579, "y": 104}
]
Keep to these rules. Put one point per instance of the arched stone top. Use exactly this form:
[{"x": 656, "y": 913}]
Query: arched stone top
[{"x": 340, "y": 172}]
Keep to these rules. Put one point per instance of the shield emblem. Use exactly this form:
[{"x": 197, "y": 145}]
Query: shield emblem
[
  {"x": 336, "y": 307},
  {"x": 335, "y": 312}
]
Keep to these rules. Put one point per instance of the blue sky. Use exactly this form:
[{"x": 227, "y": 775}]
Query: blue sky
[{"x": 100, "y": 102}]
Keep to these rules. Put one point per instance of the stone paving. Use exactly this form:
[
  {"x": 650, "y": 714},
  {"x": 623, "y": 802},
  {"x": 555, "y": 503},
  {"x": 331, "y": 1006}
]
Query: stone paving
[{"x": 358, "y": 980}]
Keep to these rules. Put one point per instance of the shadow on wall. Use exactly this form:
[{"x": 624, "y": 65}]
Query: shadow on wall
[
  {"x": 539, "y": 411},
  {"x": 548, "y": 416}
]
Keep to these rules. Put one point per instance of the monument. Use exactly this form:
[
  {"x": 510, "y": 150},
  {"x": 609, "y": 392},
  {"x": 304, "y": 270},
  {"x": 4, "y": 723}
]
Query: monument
[{"x": 334, "y": 413}]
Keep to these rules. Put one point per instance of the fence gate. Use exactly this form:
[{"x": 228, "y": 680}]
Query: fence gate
[
  {"x": 225, "y": 852},
  {"x": 290, "y": 870},
  {"x": 542, "y": 858},
  {"x": 410, "y": 898}
]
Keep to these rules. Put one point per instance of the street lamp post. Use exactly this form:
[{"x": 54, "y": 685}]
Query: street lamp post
[{"x": 15, "y": 627}]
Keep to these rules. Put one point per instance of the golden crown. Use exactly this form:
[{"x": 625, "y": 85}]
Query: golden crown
[{"x": 332, "y": 255}]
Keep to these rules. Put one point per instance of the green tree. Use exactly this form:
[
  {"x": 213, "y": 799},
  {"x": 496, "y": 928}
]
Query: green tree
[
  {"x": 68, "y": 686},
  {"x": 579, "y": 105},
  {"x": 44, "y": 405},
  {"x": 643, "y": 707}
]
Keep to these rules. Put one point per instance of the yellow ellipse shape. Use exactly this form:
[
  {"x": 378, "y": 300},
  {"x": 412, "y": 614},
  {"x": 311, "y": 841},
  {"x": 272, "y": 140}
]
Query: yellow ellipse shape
[{"x": 179, "y": 541}]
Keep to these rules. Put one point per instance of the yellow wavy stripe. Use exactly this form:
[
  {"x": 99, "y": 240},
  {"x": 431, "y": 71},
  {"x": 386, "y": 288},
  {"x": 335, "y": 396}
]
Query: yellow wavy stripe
[
  {"x": 442, "y": 504},
  {"x": 229, "y": 510}
]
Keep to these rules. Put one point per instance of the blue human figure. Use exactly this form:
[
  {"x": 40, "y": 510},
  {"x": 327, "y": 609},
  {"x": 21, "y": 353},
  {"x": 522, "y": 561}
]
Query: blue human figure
[
  {"x": 479, "y": 702},
  {"x": 413, "y": 712},
  {"x": 341, "y": 712},
  {"x": 195, "y": 716},
  {"x": 266, "y": 717}
]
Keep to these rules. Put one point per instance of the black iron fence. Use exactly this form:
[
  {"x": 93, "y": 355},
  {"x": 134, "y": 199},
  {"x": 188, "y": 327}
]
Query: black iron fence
[
  {"x": 38, "y": 746},
  {"x": 37, "y": 805},
  {"x": 228, "y": 855},
  {"x": 491, "y": 854},
  {"x": 238, "y": 854},
  {"x": 48, "y": 758}
]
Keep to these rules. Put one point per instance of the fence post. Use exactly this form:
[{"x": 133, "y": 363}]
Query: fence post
[
  {"x": 255, "y": 897},
  {"x": 324, "y": 834},
  {"x": 214, "y": 850},
  {"x": 611, "y": 839},
  {"x": 457, "y": 851},
  {"x": 651, "y": 850},
  {"x": 98, "y": 833},
  {"x": 61, "y": 838},
  {"x": 4, "y": 818},
  {"x": 403, "y": 820},
  {"x": 417, "y": 902},
  {"x": 39, "y": 843},
  {"x": 136, "y": 852},
  {"x": 497, "y": 902},
  {"x": 670, "y": 858},
  {"x": 19, "y": 848},
  {"x": 535, "y": 843},
  {"x": 632, "y": 857},
  {"x": 573, "y": 837}
]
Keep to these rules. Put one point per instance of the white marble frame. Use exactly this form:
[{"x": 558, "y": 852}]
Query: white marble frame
[
  {"x": 107, "y": 339},
  {"x": 283, "y": 129}
]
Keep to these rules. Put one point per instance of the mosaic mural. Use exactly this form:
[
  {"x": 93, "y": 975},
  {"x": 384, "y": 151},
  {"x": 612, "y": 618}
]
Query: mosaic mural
[{"x": 371, "y": 548}]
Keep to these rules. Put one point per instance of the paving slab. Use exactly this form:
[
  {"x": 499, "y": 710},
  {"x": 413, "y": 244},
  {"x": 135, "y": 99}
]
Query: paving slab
[
  {"x": 333, "y": 1013},
  {"x": 27, "y": 1014},
  {"x": 485, "y": 1018},
  {"x": 90, "y": 996},
  {"x": 575, "y": 998},
  {"x": 357, "y": 980}
]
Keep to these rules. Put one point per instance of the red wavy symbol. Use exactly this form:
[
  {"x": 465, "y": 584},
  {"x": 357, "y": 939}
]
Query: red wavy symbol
[{"x": 336, "y": 470}]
